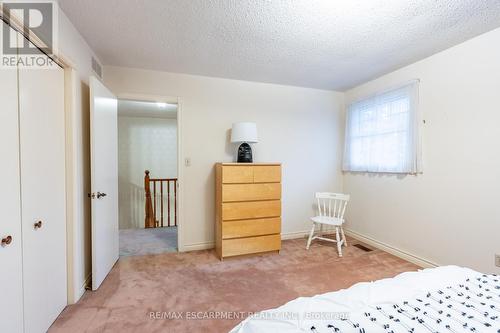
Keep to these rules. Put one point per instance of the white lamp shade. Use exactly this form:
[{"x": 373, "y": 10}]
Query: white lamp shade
[{"x": 244, "y": 132}]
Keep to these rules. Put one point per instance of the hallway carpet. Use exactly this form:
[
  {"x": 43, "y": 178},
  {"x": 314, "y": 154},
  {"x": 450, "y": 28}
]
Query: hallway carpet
[
  {"x": 181, "y": 286},
  {"x": 139, "y": 242}
]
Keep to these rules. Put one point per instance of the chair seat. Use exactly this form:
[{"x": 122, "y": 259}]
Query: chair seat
[{"x": 327, "y": 220}]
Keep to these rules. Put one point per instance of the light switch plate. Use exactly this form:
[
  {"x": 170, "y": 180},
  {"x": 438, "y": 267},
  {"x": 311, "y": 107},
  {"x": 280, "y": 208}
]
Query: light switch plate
[
  {"x": 187, "y": 161},
  {"x": 497, "y": 260}
]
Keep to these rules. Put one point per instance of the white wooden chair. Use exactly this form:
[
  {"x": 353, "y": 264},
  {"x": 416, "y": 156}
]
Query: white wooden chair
[{"x": 331, "y": 208}]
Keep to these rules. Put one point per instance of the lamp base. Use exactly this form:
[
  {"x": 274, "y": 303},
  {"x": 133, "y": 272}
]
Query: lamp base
[{"x": 245, "y": 153}]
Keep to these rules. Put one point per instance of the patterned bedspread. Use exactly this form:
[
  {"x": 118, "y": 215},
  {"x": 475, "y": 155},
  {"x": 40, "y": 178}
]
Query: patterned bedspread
[{"x": 445, "y": 299}]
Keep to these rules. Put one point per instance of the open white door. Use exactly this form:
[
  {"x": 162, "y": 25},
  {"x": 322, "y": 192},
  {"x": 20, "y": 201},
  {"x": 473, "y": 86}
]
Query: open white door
[{"x": 104, "y": 172}]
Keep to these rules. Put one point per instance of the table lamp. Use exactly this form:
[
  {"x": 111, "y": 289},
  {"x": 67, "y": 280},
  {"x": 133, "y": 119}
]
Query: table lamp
[{"x": 244, "y": 133}]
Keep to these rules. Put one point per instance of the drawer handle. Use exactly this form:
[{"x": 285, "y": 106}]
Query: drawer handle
[
  {"x": 37, "y": 225},
  {"x": 7, "y": 240}
]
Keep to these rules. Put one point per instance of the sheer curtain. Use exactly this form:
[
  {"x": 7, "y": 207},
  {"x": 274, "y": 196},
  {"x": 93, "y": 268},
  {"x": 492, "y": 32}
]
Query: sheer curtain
[{"x": 382, "y": 133}]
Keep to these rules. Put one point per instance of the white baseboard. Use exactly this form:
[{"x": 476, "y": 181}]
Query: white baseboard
[
  {"x": 305, "y": 233},
  {"x": 424, "y": 263},
  {"x": 211, "y": 245},
  {"x": 294, "y": 235},
  {"x": 421, "y": 262},
  {"x": 197, "y": 246},
  {"x": 82, "y": 289}
]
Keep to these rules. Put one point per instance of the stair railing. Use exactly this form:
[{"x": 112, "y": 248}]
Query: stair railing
[{"x": 156, "y": 202}]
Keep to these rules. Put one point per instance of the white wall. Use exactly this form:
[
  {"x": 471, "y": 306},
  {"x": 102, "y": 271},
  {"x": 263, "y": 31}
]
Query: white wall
[
  {"x": 450, "y": 214},
  {"x": 430, "y": 215},
  {"x": 301, "y": 128},
  {"x": 75, "y": 50},
  {"x": 143, "y": 144}
]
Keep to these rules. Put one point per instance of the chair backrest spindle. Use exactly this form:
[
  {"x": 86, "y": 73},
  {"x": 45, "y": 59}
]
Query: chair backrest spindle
[{"x": 337, "y": 203}]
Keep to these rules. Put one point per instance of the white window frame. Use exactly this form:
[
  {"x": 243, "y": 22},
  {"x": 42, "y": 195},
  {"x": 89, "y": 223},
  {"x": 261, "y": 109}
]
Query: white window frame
[{"x": 410, "y": 161}]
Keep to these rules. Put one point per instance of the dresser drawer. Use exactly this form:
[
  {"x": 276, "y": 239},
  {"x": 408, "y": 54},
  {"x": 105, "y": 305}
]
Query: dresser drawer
[
  {"x": 246, "y": 228},
  {"x": 267, "y": 173},
  {"x": 250, "y": 209},
  {"x": 248, "y": 192},
  {"x": 238, "y": 246},
  {"x": 237, "y": 174}
]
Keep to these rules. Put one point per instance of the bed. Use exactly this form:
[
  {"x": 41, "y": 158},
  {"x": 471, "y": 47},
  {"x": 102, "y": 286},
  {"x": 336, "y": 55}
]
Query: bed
[{"x": 444, "y": 299}]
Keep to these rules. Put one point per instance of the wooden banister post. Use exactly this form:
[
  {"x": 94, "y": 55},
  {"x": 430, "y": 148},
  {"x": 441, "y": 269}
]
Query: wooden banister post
[
  {"x": 175, "y": 202},
  {"x": 149, "y": 218}
]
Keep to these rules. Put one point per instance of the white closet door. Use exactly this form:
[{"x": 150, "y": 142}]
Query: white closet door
[
  {"x": 11, "y": 292},
  {"x": 42, "y": 141}
]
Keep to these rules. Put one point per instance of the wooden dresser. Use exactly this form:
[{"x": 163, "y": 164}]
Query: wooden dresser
[{"x": 248, "y": 208}]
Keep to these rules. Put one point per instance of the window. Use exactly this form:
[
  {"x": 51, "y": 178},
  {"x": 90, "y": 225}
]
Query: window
[{"x": 382, "y": 133}]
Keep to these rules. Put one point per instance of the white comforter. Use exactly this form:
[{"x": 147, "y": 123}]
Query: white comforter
[{"x": 443, "y": 299}]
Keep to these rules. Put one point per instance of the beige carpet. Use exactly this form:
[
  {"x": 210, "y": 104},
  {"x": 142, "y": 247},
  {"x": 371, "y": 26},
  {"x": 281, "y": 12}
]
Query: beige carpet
[{"x": 198, "y": 281}]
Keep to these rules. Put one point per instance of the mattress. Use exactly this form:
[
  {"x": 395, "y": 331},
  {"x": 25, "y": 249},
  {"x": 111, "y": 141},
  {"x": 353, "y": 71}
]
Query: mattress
[{"x": 444, "y": 299}]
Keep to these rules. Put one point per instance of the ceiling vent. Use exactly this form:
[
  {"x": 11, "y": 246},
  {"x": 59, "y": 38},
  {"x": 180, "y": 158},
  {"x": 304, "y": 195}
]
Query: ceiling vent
[{"x": 96, "y": 67}]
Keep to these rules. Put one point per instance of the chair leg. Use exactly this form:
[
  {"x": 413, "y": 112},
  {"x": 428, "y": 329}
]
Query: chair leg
[
  {"x": 310, "y": 237},
  {"x": 343, "y": 236},
  {"x": 339, "y": 241}
]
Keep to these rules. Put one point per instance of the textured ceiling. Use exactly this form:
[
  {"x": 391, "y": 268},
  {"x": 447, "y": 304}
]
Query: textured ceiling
[{"x": 311, "y": 43}]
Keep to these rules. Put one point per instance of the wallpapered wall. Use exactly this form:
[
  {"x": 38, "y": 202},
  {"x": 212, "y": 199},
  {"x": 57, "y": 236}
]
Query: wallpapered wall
[{"x": 143, "y": 144}]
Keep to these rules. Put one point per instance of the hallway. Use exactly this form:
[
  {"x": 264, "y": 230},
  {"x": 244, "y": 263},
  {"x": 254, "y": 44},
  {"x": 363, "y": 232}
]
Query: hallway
[{"x": 138, "y": 242}]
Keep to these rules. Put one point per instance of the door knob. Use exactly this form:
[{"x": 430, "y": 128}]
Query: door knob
[
  {"x": 7, "y": 240},
  {"x": 100, "y": 195},
  {"x": 38, "y": 225}
]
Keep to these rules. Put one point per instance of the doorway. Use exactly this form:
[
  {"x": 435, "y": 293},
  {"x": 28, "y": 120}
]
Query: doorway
[{"x": 147, "y": 177}]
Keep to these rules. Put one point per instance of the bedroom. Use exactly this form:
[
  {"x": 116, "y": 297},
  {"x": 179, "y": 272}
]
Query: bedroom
[{"x": 295, "y": 69}]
